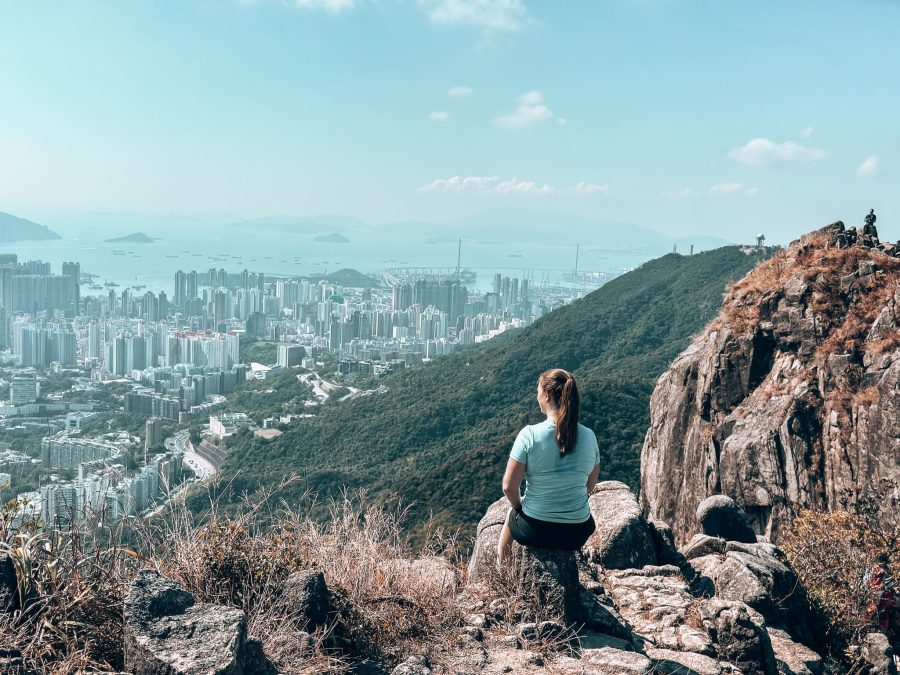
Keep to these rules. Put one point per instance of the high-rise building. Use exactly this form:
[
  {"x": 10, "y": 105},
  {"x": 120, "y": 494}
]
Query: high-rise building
[
  {"x": 152, "y": 433},
  {"x": 23, "y": 390},
  {"x": 73, "y": 271},
  {"x": 290, "y": 355},
  {"x": 180, "y": 288}
]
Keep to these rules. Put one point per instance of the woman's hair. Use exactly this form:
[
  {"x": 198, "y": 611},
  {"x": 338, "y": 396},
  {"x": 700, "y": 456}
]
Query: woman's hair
[{"x": 559, "y": 385}]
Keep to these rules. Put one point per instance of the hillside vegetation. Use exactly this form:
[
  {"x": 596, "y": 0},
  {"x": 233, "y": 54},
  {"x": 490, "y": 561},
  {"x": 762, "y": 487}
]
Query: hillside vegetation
[{"x": 439, "y": 438}]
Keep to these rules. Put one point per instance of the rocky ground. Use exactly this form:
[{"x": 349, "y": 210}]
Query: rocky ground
[{"x": 629, "y": 603}]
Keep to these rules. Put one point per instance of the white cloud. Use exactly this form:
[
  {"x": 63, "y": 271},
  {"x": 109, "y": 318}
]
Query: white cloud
[
  {"x": 439, "y": 116},
  {"x": 732, "y": 189},
  {"x": 491, "y": 15},
  {"x": 679, "y": 193},
  {"x": 486, "y": 185},
  {"x": 460, "y": 91},
  {"x": 336, "y": 6},
  {"x": 523, "y": 187},
  {"x": 511, "y": 186},
  {"x": 585, "y": 188},
  {"x": 764, "y": 151},
  {"x": 807, "y": 132},
  {"x": 459, "y": 183},
  {"x": 562, "y": 121},
  {"x": 530, "y": 110},
  {"x": 870, "y": 166}
]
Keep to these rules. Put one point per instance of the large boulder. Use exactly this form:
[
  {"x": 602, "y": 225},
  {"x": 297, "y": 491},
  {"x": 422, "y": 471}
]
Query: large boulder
[
  {"x": 755, "y": 574},
  {"x": 794, "y": 658},
  {"x": 168, "y": 633},
  {"x": 306, "y": 594},
  {"x": 739, "y": 639},
  {"x": 622, "y": 539},
  {"x": 701, "y": 545},
  {"x": 487, "y": 535},
  {"x": 550, "y": 579},
  {"x": 720, "y": 516}
]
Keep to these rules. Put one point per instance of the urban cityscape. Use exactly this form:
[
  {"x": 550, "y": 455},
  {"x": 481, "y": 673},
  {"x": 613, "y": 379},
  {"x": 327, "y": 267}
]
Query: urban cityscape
[{"x": 114, "y": 398}]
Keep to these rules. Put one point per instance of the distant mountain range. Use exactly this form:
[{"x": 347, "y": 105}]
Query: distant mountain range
[
  {"x": 501, "y": 226},
  {"x": 13, "y": 229}
]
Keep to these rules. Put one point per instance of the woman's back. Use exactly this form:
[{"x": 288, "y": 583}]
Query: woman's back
[{"x": 555, "y": 484}]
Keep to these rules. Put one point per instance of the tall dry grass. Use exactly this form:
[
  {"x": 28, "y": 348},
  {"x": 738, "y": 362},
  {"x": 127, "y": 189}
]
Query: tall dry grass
[{"x": 386, "y": 602}]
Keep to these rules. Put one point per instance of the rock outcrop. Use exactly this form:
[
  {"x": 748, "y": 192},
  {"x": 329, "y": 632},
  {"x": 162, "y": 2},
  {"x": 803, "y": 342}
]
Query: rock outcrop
[
  {"x": 723, "y": 605},
  {"x": 622, "y": 539},
  {"x": 791, "y": 397},
  {"x": 168, "y": 633}
]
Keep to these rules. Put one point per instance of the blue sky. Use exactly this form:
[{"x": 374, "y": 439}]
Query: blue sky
[{"x": 686, "y": 116}]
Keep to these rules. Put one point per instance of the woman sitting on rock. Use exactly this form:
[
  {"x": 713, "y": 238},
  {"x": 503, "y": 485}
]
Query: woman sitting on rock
[{"x": 559, "y": 460}]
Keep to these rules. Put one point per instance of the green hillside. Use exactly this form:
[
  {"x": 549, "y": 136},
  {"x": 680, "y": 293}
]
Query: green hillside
[{"x": 440, "y": 436}]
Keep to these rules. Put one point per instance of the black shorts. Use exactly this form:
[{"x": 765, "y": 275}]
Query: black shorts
[{"x": 536, "y": 533}]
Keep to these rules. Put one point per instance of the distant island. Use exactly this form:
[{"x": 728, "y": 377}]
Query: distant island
[
  {"x": 133, "y": 238},
  {"x": 333, "y": 238},
  {"x": 351, "y": 277},
  {"x": 13, "y": 229}
]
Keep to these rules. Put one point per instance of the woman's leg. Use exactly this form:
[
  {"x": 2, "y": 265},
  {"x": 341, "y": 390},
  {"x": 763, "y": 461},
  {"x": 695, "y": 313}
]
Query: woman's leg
[{"x": 504, "y": 545}]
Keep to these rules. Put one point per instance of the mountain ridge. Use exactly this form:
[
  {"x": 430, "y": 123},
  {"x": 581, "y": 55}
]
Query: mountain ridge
[
  {"x": 14, "y": 229},
  {"x": 440, "y": 435}
]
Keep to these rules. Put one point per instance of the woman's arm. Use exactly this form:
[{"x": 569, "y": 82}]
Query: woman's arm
[
  {"x": 592, "y": 479},
  {"x": 512, "y": 481}
]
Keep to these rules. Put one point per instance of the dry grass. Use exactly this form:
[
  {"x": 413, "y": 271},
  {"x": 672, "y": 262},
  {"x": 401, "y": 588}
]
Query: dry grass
[
  {"x": 71, "y": 584},
  {"x": 74, "y": 584},
  {"x": 833, "y": 554},
  {"x": 844, "y": 324}
]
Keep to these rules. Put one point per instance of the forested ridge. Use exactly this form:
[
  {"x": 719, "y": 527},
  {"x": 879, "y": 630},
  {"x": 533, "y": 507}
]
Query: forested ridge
[{"x": 439, "y": 437}]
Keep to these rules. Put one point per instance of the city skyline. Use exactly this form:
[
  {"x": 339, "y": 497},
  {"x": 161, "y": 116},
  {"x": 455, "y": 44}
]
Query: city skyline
[{"x": 707, "y": 119}]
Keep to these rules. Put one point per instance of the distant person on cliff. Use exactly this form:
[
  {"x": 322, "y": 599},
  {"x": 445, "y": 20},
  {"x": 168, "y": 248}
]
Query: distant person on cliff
[
  {"x": 870, "y": 232},
  {"x": 560, "y": 462},
  {"x": 870, "y": 220}
]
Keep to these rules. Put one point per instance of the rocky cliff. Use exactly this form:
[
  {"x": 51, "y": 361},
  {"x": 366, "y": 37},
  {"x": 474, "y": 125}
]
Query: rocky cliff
[{"x": 791, "y": 396}]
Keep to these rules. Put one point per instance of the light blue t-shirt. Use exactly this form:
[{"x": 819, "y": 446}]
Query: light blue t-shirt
[{"x": 556, "y": 487}]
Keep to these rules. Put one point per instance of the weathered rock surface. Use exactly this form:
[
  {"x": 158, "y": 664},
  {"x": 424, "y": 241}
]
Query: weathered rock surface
[
  {"x": 607, "y": 660},
  {"x": 306, "y": 594},
  {"x": 794, "y": 658},
  {"x": 622, "y": 539},
  {"x": 414, "y": 665},
  {"x": 487, "y": 535},
  {"x": 740, "y": 640},
  {"x": 789, "y": 397},
  {"x": 753, "y": 574},
  {"x": 877, "y": 652},
  {"x": 167, "y": 633},
  {"x": 656, "y": 603},
  {"x": 550, "y": 578}
]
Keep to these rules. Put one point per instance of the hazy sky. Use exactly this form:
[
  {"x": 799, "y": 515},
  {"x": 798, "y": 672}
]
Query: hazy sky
[{"x": 688, "y": 116}]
